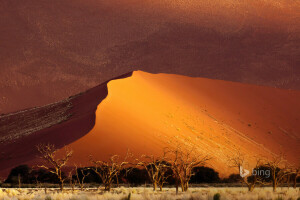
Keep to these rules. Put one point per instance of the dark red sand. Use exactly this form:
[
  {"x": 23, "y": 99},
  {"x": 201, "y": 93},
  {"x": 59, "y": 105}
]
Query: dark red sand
[
  {"x": 50, "y": 51},
  {"x": 79, "y": 121}
]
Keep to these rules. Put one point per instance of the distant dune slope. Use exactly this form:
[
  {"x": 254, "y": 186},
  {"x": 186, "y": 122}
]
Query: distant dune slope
[
  {"x": 52, "y": 50},
  {"x": 59, "y": 123},
  {"x": 146, "y": 111}
]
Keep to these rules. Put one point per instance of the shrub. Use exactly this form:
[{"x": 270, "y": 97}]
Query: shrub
[
  {"x": 48, "y": 198},
  {"x": 205, "y": 175},
  {"x": 128, "y": 197},
  {"x": 233, "y": 178},
  {"x": 217, "y": 196},
  {"x": 22, "y": 171}
]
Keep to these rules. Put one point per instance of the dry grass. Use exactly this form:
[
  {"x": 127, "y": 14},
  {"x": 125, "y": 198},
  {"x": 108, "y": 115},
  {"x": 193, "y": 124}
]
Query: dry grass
[{"x": 141, "y": 193}]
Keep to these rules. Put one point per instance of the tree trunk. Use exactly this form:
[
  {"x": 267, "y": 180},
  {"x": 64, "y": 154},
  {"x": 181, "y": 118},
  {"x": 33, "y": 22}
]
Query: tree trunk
[
  {"x": 107, "y": 187},
  {"x": 154, "y": 185},
  {"x": 274, "y": 185},
  {"x": 160, "y": 187},
  {"x": 186, "y": 186},
  {"x": 182, "y": 186},
  {"x": 117, "y": 181},
  {"x": 72, "y": 185},
  {"x": 19, "y": 180},
  {"x": 176, "y": 182},
  {"x": 61, "y": 186},
  {"x": 295, "y": 182},
  {"x": 250, "y": 188}
]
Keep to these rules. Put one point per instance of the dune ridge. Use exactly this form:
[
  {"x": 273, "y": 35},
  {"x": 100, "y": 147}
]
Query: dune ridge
[
  {"x": 148, "y": 112},
  {"x": 58, "y": 123}
]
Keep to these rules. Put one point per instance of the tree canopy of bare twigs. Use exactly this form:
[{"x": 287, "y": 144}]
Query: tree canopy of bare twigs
[
  {"x": 108, "y": 170},
  {"x": 156, "y": 168},
  {"x": 53, "y": 164},
  {"x": 280, "y": 168},
  {"x": 71, "y": 180},
  {"x": 182, "y": 162},
  {"x": 251, "y": 180},
  {"x": 81, "y": 174},
  {"x": 295, "y": 175}
]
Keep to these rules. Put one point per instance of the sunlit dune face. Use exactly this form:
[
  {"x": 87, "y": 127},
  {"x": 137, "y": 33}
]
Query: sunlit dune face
[
  {"x": 146, "y": 113},
  {"x": 132, "y": 116}
]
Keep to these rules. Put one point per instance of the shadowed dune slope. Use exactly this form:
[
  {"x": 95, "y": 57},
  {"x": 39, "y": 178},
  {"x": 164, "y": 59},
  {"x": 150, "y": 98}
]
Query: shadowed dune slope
[
  {"x": 146, "y": 111},
  {"x": 52, "y": 50},
  {"x": 59, "y": 123}
]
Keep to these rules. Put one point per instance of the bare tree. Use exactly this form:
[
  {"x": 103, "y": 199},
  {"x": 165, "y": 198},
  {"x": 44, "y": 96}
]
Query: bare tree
[
  {"x": 72, "y": 181},
  {"x": 251, "y": 180},
  {"x": 109, "y": 170},
  {"x": 164, "y": 175},
  {"x": 279, "y": 168},
  {"x": 295, "y": 175},
  {"x": 182, "y": 164},
  {"x": 53, "y": 164},
  {"x": 82, "y": 176},
  {"x": 156, "y": 168},
  {"x": 19, "y": 180}
]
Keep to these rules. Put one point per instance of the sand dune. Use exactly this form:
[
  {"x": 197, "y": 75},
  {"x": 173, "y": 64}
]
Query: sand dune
[
  {"x": 51, "y": 51},
  {"x": 59, "y": 123},
  {"x": 146, "y": 111}
]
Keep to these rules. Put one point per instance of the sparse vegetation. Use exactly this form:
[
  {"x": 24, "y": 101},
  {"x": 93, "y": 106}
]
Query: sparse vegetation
[
  {"x": 217, "y": 196},
  {"x": 251, "y": 180},
  {"x": 53, "y": 164},
  {"x": 141, "y": 193},
  {"x": 107, "y": 171},
  {"x": 156, "y": 168},
  {"x": 81, "y": 174},
  {"x": 182, "y": 165},
  {"x": 175, "y": 167},
  {"x": 279, "y": 169}
]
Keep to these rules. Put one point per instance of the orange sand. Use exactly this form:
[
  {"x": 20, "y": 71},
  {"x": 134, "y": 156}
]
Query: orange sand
[{"x": 146, "y": 111}]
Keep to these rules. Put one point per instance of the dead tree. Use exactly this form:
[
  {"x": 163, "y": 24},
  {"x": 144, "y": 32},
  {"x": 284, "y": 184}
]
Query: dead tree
[
  {"x": 279, "y": 168},
  {"x": 295, "y": 169},
  {"x": 156, "y": 168},
  {"x": 72, "y": 182},
  {"x": 295, "y": 175},
  {"x": 182, "y": 164},
  {"x": 109, "y": 170},
  {"x": 19, "y": 180},
  {"x": 164, "y": 175},
  {"x": 53, "y": 164},
  {"x": 84, "y": 174},
  {"x": 247, "y": 177}
]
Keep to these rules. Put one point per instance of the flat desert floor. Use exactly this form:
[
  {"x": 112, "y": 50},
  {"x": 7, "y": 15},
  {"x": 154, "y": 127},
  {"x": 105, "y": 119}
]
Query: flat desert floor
[{"x": 139, "y": 193}]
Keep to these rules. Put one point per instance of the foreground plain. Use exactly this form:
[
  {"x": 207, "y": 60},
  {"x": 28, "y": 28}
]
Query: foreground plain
[{"x": 140, "y": 193}]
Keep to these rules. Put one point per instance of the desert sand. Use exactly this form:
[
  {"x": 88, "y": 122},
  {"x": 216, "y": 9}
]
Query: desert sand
[
  {"x": 147, "y": 112},
  {"x": 50, "y": 51}
]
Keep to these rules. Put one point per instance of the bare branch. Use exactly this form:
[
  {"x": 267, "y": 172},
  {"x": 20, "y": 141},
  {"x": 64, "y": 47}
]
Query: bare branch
[{"x": 54, "y": 165}]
